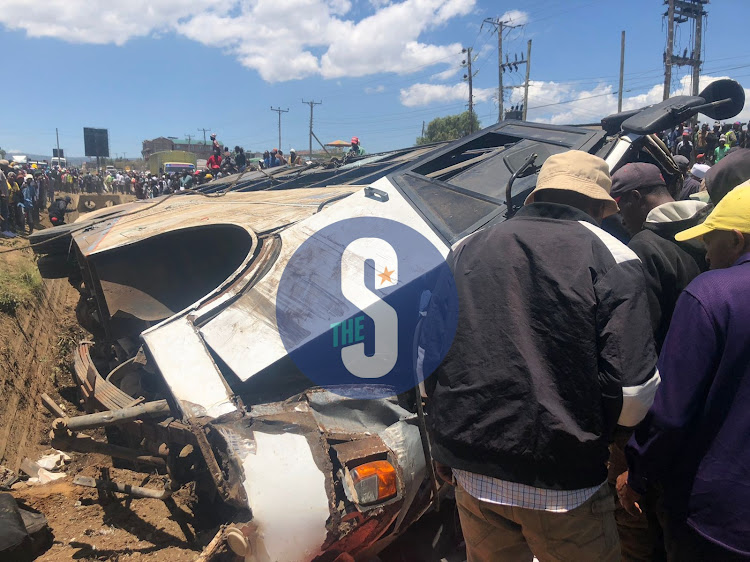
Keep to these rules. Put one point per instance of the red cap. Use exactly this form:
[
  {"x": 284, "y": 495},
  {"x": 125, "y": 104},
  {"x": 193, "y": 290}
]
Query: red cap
[{"x": 355, "y": 140}]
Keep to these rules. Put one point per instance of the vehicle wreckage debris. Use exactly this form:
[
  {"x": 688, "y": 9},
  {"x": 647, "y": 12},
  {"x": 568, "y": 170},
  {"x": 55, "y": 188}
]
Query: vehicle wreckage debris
[
  {"x": 113, "y": 417},
  {"x": 52, "y": 407},
  {"x": 111, "y": 486},
  {"x": 83, "y": 443}
]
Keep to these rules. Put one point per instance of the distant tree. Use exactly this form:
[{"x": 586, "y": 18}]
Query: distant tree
[
  {"x": 2, "y": 154},
  {"x": 450, "y": 128}
]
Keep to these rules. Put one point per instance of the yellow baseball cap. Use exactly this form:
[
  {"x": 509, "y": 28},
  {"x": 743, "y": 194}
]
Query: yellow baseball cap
[{"x": 732, "y": 213}]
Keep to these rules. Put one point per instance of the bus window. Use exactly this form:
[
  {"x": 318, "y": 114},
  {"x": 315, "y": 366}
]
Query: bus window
[{"x": 178, "y": 167}]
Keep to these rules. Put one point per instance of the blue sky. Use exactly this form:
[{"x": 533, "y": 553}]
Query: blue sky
[{"x": 168, "y": 67}]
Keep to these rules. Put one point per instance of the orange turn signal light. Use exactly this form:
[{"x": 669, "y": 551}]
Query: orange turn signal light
[{"x": 374, "y": 481}]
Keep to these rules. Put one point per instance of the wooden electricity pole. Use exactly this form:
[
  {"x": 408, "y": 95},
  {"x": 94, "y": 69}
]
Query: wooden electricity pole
[
  {"x": 683, "y": 11},
  {"x": 526, "y": 83},
  {"x": 470, "y": 78},
  {"x": 622, "y": 73},
  {"x": 279, "y": 111},
  {"x": 312, "y": 104}
]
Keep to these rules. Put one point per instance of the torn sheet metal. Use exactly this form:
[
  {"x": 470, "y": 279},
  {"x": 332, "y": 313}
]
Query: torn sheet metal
[
  {"x": 188, "y": 369},
  {"x": 404, "y": 440},
  {"x": 338, "y": 415}
]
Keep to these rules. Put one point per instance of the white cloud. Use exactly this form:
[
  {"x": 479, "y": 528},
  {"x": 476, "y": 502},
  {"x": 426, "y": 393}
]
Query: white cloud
[
  {"x": 581, "y": 105},
  {"x": 446, "y": 74},
  {"x": 591, "y": 105},
  {"x": 376, "y": 90},
  {"x": 280, "y": 39},
  {"x": 77, "y": 21},
  {"x": 426, "y": 94},
  {"x": 515, "y": 17}
]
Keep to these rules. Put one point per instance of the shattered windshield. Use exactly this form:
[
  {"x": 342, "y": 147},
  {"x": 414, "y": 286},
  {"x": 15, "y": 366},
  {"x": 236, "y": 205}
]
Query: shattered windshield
[{"x": 462, "y": 187}]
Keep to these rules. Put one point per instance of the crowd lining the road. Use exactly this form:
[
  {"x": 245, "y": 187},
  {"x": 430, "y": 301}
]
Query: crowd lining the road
[{"x": 26, "y": 191}]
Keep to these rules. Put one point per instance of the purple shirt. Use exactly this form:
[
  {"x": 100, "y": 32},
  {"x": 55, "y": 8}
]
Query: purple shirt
[{"x": 695, "y": 439}]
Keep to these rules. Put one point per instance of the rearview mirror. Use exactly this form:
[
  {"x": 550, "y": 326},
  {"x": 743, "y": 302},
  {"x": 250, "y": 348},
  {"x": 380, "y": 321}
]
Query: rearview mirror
[
  {"x": 722, "y": 90},
  {"x": 722, "y": 99}
]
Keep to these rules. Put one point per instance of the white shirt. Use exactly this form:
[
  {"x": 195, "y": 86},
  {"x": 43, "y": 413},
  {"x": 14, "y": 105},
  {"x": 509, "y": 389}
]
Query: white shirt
[{"x": 502, "y": 492}]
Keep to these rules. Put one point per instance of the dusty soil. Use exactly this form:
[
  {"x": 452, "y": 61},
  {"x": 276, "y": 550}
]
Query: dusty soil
[
  {"x": 36, "y": 343},
  {"x": 33, "y": 335},
  {"x": 90, "y": 526}
]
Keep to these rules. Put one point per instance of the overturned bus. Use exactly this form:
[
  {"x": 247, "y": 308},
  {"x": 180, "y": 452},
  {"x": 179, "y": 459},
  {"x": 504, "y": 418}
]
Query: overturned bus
[{"x": 187, "y": 369}]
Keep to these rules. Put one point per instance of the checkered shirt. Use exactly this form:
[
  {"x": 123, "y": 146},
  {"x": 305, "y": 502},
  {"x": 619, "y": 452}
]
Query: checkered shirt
[{"x": 486, "y": 488}]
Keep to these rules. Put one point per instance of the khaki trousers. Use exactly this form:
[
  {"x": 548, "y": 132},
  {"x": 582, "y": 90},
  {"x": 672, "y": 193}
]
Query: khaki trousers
[{"x": 500, "y": 533}]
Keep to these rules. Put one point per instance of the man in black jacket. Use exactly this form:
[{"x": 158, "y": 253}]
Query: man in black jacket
[
  {"x": 653, "y": 217},
  {"x": 57, "y": 210},
  {"x": 553, "y": 350}
]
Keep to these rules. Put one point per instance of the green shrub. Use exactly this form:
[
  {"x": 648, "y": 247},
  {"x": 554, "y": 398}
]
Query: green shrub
[{"x": 20, "y": 286}]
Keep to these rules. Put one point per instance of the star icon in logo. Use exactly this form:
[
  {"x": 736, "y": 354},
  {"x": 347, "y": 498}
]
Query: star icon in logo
[{"x": 386, "y": 276}]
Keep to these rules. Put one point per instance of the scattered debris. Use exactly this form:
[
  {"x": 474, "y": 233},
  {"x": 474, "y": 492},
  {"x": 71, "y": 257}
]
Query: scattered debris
[
  {"x": 135, "y": 491},
  {"x": 7, "y": 478},
  {"x": 54, "y": 462},
  {"x": 37, "y": 474}
]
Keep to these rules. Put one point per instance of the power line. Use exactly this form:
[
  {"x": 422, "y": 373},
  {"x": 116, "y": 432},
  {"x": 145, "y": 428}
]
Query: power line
[
  {"x": 204, "y": 134},
  {"x": 312, "y": 104},
  {"x": 279, "y": 111},
  {"x": 469, "y": 76},
  {"x": 499, "y": 26}
]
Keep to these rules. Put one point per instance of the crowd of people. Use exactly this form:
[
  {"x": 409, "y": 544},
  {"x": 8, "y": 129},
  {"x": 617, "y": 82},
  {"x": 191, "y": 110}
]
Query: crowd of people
[
  {"x": 25, "y": 192},
  {"x": 276, "y": 157},
  {"x": 593, "y": 404},
  {"x": 704, "y": 145}
]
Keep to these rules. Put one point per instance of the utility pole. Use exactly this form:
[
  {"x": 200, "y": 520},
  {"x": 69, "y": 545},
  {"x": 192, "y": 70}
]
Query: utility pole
[
  {"x": 697, "y": 54},
  {"x": 526, "y": 83},
  {"x": 512, "y": 66},
  {"x": 682, "y": 11},
  {"x": 499, "y": 27},
  {"x": 279, "y": 111},
  {"x": 204, "y": 134},
  {"x": 422, "y": 129},
  {"x": 189, "y": 138},
  {"x": 470, "y": 78},
  {"x": 670, "y": 49},
  {"x": 622, "y": 72},
  {"x": 312, "y": 104}
]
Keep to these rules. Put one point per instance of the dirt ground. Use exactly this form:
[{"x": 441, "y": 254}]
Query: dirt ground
[
  {"x": 36, "y": 343},
  {"x": 90, "y": 526}
]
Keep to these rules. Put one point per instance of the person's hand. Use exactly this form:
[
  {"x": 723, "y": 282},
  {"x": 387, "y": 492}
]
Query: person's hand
[
  {"x": 444, "y": 473},
  {"x": 629, "y": 498}
]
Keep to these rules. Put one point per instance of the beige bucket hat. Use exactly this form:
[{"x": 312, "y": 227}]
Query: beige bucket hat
[{"x": 577, "y": 171}]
